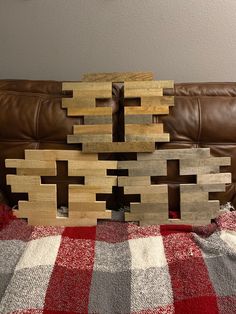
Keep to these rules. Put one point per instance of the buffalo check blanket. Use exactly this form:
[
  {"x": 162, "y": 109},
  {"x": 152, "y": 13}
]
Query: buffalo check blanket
[{"x": 119, "y": 268}]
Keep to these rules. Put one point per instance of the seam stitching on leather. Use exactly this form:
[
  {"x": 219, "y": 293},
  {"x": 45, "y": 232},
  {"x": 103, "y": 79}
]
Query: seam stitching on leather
[
  {"x": 199, "y": 122},
  {"x": 37, "y": 121}
]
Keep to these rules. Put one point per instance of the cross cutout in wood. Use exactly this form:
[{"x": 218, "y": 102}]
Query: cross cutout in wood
[
  {"x": 62, "y": 181},
  {"x": 195, "y": 172},
  {"x": 173, "y": 180}
]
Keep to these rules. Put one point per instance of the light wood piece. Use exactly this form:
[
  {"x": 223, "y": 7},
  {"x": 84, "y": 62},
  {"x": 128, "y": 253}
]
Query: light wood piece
[
  {"x": 117, "y": 77},
  {"x": 97, "y": 128},
  {"x": 41, "y": 208},
  {"x": 118, "y": 147}
]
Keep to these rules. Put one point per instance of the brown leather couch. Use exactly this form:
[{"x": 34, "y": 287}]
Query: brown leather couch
[{"x": 31, "y": 117}]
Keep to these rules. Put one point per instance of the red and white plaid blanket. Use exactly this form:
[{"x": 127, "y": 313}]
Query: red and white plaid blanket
[{"x": 119, "y": 268}]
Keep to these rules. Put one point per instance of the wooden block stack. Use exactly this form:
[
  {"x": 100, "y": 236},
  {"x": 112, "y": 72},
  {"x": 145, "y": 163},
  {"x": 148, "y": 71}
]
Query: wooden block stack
[
  {"x": 139, "y": 125},
  {"x": 117, "y": 77},
  {"x": 195, "y": 206},
  {"x": 142, "y": 132},
  {"x": 97, "y": 125},
  {"x": 41, "y": 207}
]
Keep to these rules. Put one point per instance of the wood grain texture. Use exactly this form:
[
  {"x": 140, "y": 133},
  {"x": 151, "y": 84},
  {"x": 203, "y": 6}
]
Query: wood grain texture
[
  {"x": 217, "y": 187},
  {"x": 159, "y": 137},
  {"x": 147, "y": 172},
  {"x": 150, "y": 189},
  {"x": 211, "y": 161},
  {"x": 12, "y": 179},
  {"x": 138, "y": 119},
  {"x": 214, "y": 178},
  {"x": 146, "y": 88},
  {"x": 22, "y": 163},
  {"x": 149, "y": 84},
  {"x": 144, "y": 92},
  {"x": 93, "y": 129},
  {"x": 157, "y": 100},
  {"x": 84, "y": 138},
  {"x": 39, "y": 171},
  {"x": 45, "y": 192},
  {"x": 194, "y": 196},
  {"x": 139, "y": 164},
  {"x": 98, "y": 111},
  {"x": 149, "y": 208},
  {"x": 77, "y": 188},
  {"x": 86, "y": 206},
  {"x": 33, "y": 207},
  {"x": 144, "y": 168},
  {"x": 154, "y": 109},
  {"x": 199, "y": 170},
  {"x": 173, "y": 154},
  {"x": 86, "y": 172},
  {"x": 91, "y": 120},
  {"x": 79, "y": 102},
  {"x": 99, "y": 164},
  {"x": 144, "y": 129},
  {"x": 155, "y": 198},
  {"x": 200, "y": 207},
  {"x": 118, "y": 147},
  {"x": 117, "y": 77},
  {"x": 101, "y": 181},
  {"x": 127, "y": 181},
  {"x": 92, "y": 90},
  {"x": 61, "y": 155},
  {"x": 82, "y": 197}
]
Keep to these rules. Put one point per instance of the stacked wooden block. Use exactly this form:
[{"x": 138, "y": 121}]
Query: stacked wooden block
[
  {"x": 96, "y": 132},
  {"x": 97, "y": 125},
  {"x": 41, "y": 207},
  {"x": 139, "y": 125},
  {"x": 194, "y": 199},
  {"x": 143, "y": 131}
]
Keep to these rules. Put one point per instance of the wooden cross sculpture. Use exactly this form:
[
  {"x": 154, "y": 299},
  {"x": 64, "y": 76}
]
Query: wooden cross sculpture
[{"x": 146, "y": 177}]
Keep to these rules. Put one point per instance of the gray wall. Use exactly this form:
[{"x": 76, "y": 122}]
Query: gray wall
[{"x": 184, "y": 40}]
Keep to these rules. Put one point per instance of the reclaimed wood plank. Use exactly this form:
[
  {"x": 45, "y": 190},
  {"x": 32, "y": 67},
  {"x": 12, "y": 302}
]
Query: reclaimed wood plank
[
  {"x": 144, "y": 129},
  {"x": 92, "y": 129},
  {"x": 138, "y": 110},
  {"x": 117, "y": 77},
  {"x": 138, "y": 119},
  {"x": 159, "y": 137},
  {"x": 138, "y": 189},
  {"x": 91, "y": 120},
  {"x": 98, "y": 111},
  {"x": 214, "y": 178},
  {"x": 126, "y": 181},
  {"x": 118, "y": 147},
  {"x": 90, "y": 138},
  {"x": 79, "y": 102},
  {"x": 62, "y": 155},
  {"x": 172, "y": 154},
  {"x": 89, "y": 89},
  {"x": 98, "y": 164},
  {"x": 158, "y": 100}
]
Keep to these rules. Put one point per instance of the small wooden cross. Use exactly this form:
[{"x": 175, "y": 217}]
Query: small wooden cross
[
  {"x": 173, "y": 179},
  {"x": 62, "y": 181}
]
